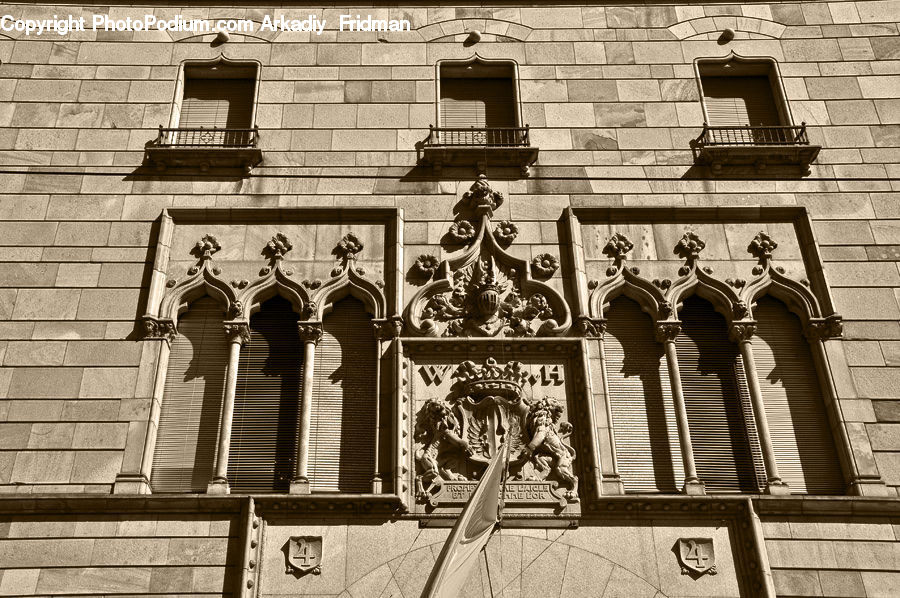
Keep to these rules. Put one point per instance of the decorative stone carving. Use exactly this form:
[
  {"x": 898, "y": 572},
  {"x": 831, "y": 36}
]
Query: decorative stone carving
[
  {"x": 486, "y": 291},
  {"x": 206, "y": 246},
  {"x": 667, "y": 331},
  {"x": 278, "y": 246},
  {"x": 820, "y": 329},
  {"x": 480, "y": 195},
  {"x": 462, "y": 231},
  {"x": 349, "y": 246},
  {"x": 159, "y": 329},
  {"x": 426, "y": 264},
  {"x": 688, "y": 248},
  {"x": 506, "y": 232},
  {"x": 544, "y": 265},
  {"x": 696, "y": 556},
  {"x": 741, "y": 331},
  {"x": 389, "y": 328},
  {"x": 309, "y": 331},
  {"x": 237, "y": 332},
  {"x": 304, "y": 555},
  {"x": 459, "y": 435}
]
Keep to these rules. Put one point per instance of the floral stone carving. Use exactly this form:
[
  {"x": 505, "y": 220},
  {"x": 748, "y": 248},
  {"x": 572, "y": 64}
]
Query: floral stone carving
[
  {"x": 485, "y": 291},
  {"x": 458, "y": 436}
]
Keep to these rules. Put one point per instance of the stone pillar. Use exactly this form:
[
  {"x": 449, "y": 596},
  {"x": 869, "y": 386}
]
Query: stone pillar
[
  {"x": 310, "y": 333},
  {"x": 238, "y": 334},
  {"x": 742, "y": 332},
  {"x": 666, "y": 332}
]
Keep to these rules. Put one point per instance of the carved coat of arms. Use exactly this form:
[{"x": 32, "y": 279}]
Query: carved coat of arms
[
  {"x": 457, "y": 438},
  {"x": 696, "y": 555},
  {"x": 304, "y": 555}
]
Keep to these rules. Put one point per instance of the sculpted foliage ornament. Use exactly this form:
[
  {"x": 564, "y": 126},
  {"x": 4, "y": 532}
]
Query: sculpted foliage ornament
[
  {"x": 206, "y": 246},
  {"x": 544, "y": 265},
  {"x": 426, "y": 264},
  {"x": 485, "y": 291},
  {"x": 506, "y": 232},
  {"x": 458, "y": 436},
  {"x": 278, "y": 246}
]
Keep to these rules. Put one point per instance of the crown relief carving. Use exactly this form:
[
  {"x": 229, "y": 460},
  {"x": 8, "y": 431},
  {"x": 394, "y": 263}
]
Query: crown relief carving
[
  {"x": 732, "y": 297},
  {"x": 457, "y": 436},
  {"x": 485, "y": 291}
]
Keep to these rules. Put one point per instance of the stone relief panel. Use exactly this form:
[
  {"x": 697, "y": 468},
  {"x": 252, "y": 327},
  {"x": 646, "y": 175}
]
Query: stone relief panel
[
  {"x": 484, "y": 287},
  {"x": 465, "y": 409}
]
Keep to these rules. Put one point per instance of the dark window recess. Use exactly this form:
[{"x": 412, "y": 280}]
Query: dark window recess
[
  {"x": 718, "y": 409},
  {"x": 798, "y": 424},
  {"x": 640, "y": 395},
  {"x": 479, "y": 103},
  {"x": 342, "y": 431},
  {"x": 214, "y": 122},
  {"x": 186, "y": 443},
  {"x": 265, "y": 428}
]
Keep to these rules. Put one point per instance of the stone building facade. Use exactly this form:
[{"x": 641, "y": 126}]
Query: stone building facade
[{"x": 546, "y": 226}]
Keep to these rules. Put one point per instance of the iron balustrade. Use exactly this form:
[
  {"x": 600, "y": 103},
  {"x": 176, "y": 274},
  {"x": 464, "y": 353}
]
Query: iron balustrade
[
  {"x": 748, "y": 136},
  {"x": 204, "y": 137},
  {"x": 478, "y": 136}
]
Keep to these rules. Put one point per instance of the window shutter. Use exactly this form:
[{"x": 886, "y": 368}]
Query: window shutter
[
  {"x": 223, "y": 103},
  {"x": 798, "y": 425},
  {"x": 477, "y": 102},
  {"x": 265, "y": 427},
  {"x": 640, "y": 396},
  {"x": 189, "y": 421},
  {"x": 740, "y": 101},
  {"x": 342, "y": 431},
  {"x": 716, "y": 407}
]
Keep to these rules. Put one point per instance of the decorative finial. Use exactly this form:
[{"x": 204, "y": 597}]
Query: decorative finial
[
  {"x": 278, "y": 246},
  {"x": 480, "y": 194},
  {"x": 762, "y": 247},
  {"x": 349, "y": 246},
  {"x": 206, "y": 246}
]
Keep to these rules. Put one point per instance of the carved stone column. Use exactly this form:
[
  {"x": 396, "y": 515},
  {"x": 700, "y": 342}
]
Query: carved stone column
[
  {"x": 666, "y": 332},
  {"x": 741, "y": 333},
  {"x": 238, "y": 334},
  {"x": 310, "y": 334}
]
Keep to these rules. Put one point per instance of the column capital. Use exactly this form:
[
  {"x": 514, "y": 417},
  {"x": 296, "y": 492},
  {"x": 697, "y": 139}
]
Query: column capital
[
  {"x": 310, "y": 332},
  {"x": 158, "y": 329},
  {"x": 667, "y": 330},
  {"x": 388, "y": 328},
  {"x": 742, "y": 330},
  {"x": 237, "y": 332},
  {"x": 591, "y": 327}
]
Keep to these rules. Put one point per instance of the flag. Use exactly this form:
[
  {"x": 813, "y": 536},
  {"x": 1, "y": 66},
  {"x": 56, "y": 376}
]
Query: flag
[{"x": 470, "y": 534}]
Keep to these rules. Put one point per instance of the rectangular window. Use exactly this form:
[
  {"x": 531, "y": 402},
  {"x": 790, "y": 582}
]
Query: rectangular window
[{"x": 740, "y": 101}]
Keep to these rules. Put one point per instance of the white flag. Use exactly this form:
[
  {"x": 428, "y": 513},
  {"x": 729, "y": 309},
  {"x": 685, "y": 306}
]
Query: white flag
[{"x": 470, "y": 534}]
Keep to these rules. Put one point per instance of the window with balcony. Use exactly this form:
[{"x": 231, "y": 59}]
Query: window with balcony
[
  {"x": 747, "y": 118},
  {"x": 212, "y": 121},
  {"x": 478, "y": 116}
]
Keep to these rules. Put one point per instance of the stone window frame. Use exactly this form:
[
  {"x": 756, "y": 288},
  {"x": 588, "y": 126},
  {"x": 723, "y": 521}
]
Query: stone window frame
[
  {"x": 854, "y": 450},
  {"x": 479, "y": 61},
  {"x": 166, "y": 301},
  {"x": 221, "y": 60},
  {"x": 736, "y": 65}
]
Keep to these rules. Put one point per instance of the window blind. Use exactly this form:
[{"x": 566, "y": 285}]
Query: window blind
[
  {"x": 798, "y": 424},
  {"x": 477, "y": 102},
  {"x": 186, "y": 442},
  {"x": 640, "y": 396},
  {"x": 223, "y": 103},
  {"x": 267, "y": 399},
  {"x": 740, "y": 101},
  {"x": 716, "y": 406},
  {"x": 342, "y": 431}
]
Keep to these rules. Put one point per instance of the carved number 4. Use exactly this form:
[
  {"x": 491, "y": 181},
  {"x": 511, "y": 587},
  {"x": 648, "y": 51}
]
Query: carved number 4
[
  {"x": 695, "y": 554},
  {"x": 305, "y": 554}
]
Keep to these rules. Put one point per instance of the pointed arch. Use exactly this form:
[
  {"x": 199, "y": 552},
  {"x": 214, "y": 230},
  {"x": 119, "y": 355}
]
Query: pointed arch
[
  {"x": 349, "y": 283},
  {"x": 205, "y": 281}
]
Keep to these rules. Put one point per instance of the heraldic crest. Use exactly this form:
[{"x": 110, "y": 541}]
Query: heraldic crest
[{"x": 457, "y": 437}]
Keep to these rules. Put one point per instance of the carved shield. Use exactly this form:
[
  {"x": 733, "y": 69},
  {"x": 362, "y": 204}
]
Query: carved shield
[
  {"x": 697, "y": 555},
  {"x": 304, "y": 555}
]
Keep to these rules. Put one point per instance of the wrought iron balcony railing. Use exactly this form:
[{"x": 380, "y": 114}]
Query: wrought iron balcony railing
[
  {"x": 199, "y": 147},
  {"x": 748, "y": 135},
  {"x": 203, "y": 137},
  {"x": 481, "y": 137},
  {"x": 759, "y": 146},
  {"x": 478, "y": 146}
]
